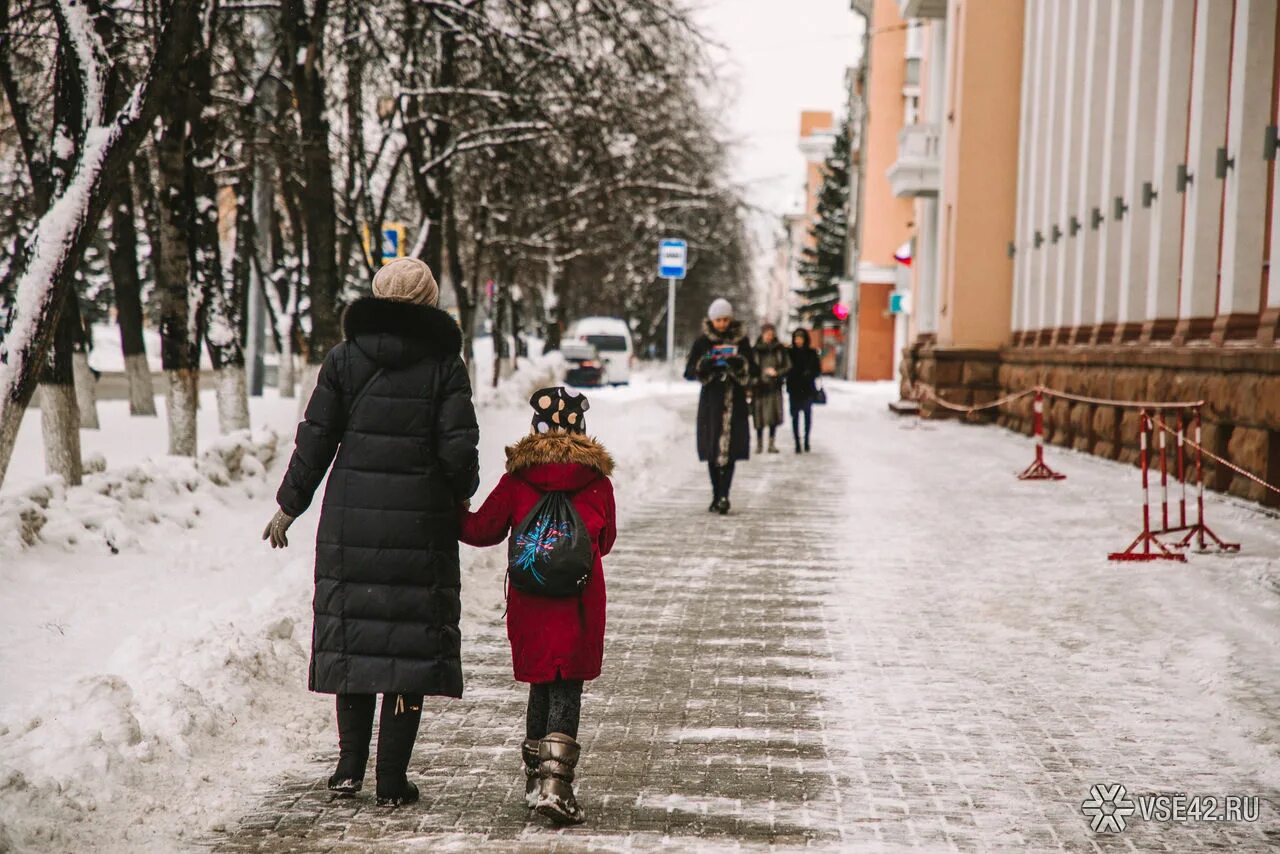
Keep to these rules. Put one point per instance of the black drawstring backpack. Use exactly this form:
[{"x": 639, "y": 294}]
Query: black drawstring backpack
[{"x": 550, "y": 553}]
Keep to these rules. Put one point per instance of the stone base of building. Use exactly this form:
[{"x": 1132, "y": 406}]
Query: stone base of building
[
  {"x": 965, "y": 377},
  {"x": 1240, "y": 385}
]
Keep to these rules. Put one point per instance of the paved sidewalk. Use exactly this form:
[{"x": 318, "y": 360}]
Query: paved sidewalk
[{"x": 823, "y": 669}]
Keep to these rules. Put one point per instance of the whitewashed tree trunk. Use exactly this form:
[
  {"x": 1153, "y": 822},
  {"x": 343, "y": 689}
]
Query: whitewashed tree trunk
[
  {"x": 233, "y": 399},
  {"x": 10, "y": 424},
  {"x": 287, "y": 376},
  {"x": 184, "y": 395},
  {"x": 310, "y": 375},
  {"x": 60, "y": 425},
  {"x": 142, "y": 393},
  {"x": 86, "y": 391}
]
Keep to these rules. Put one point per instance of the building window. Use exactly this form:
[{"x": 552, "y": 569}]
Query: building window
[{"x": 910, "y": 109}]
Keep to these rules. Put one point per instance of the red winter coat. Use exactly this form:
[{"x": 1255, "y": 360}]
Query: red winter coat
[{"x": 553, "y": 638}]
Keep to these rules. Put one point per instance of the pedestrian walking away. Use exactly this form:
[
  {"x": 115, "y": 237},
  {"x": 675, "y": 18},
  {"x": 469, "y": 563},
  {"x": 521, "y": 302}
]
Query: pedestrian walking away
[
  {"x": 392, "y": 412},
  {"x": 802, "y": 386},
  {"x": 722, "y": 359},
  {"x": 773, "y": 361},
  {"x": 556, "y": 500}
]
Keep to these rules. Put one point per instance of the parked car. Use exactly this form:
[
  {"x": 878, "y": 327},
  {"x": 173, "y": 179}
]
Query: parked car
[
  {"x": 585, "y": 367},
  {"x": 612, "y": 338}
]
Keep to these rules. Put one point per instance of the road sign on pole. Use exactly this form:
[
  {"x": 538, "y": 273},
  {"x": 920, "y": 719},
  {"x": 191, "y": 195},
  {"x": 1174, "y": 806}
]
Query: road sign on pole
[{"x": 673, "y": 255}]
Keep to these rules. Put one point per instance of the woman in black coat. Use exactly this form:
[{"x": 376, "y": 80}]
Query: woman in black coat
[
  {"x": 721, "y": 359},
  {"x": 802, "y": 385},
  {"x": 393, "y": 403}
]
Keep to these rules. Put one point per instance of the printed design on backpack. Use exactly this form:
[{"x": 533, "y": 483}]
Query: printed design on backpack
[
  {"x": 538, "y": 543},
  {"x": 550, "y": 552}
]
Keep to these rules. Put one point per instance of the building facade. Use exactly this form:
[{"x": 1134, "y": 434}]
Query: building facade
[{"x": 1134, "y": 182}]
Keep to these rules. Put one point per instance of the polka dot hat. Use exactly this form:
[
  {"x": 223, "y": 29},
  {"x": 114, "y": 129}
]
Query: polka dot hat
[{"x": 558, "y": 408}]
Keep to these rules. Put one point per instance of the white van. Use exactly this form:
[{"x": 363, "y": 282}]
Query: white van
[{"x": 612, "y": 338}]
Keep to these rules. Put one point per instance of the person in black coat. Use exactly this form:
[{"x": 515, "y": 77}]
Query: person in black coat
[
  {"x": 393, "y": 404},
  {"x": 722, "y": 360},
  {"x": 802, "y": 385}
]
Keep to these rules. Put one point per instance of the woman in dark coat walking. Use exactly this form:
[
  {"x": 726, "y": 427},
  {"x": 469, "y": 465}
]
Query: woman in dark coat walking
[
  {"x": 774, "y": 361},
  {"x": 393, "y": 403},
  {"x": 802, "y": 385},
  {"x": 722, "y": 360}
]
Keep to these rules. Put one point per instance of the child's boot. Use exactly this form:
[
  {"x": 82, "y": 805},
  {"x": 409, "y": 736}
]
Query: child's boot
[
  {"x": 557, "y": 758},
  {"x": 529, "y": 752},
  {"x": 773, "y": 444},
  {"x": 759, "y": 444}
]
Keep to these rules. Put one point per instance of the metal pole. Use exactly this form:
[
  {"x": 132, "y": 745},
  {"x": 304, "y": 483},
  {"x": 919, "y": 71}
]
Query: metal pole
[
  {"x": 1164, "y": 476},
  {"x": 1199, "y": 440},
  {"x": 1146, "y": 491},
  {"x": 1182, "y": 473},
  {"x": 671, "y": 325}
]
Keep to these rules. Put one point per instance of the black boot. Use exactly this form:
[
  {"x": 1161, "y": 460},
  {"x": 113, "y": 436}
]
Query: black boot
[
  {"x": 397, "y": 730},
  {"x": 355, "y": 728}
]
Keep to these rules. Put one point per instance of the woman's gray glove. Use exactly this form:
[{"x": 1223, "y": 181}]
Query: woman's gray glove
[{"x": 277, "y": 530}]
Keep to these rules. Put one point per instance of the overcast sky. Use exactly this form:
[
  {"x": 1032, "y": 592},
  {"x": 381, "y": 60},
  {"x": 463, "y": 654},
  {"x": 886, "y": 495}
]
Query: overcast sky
[{"x": 777, "y": 58}]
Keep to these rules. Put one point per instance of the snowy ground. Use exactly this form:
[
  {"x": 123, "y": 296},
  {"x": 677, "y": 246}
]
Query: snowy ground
[
  {"x": 978, "y": 644},
  {"x": 143, "y": 694}
]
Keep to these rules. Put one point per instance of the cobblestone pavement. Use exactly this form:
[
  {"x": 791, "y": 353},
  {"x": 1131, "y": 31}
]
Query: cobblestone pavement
[{"x": 814, "y": 671}]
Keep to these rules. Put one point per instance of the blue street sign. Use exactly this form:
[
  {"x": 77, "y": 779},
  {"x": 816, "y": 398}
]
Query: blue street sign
[{"x": 672, "y": 258}]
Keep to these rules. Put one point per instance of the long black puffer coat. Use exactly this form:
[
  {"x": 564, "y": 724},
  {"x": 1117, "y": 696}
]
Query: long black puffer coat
[
  {"x": 724, "y": 428},
  {"x": 387, "y": 577}
]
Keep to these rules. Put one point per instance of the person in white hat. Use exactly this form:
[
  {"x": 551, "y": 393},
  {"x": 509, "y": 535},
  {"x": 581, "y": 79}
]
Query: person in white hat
[
  {"x": 723, "y": 361},
  {"x": 395, "y": 396}
]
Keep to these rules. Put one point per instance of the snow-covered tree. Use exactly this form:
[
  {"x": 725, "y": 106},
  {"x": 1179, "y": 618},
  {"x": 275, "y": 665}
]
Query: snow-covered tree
[{"x": 110, "y": 117}]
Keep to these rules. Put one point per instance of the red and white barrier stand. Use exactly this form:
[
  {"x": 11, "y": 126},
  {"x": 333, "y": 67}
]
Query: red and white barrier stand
[
  {"x": 1146, "y": 546},
  {"x": 1200, "y": 532},
  {"x": 1039, "y": 470}
]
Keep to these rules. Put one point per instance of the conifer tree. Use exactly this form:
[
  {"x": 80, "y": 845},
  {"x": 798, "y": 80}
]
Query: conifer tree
[{"x": 822, "y": 263}]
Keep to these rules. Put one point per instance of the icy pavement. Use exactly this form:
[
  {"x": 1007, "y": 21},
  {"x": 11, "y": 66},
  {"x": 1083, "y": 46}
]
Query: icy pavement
[{"x": 891, "y": 643}]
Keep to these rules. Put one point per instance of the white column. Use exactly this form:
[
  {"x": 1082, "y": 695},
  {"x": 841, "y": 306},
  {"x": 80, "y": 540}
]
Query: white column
[
  {"x": 1244, "y": 205},
  {"x": 1021, "y": 238},
  {"x": 1055, "y": 58},
  {"x": 1093, "y": 124},
  {"x": 1069, "y": 166},
  {"x": 1113, "y": 152},
  {"x": 1164, "y": 253},
  {"x": 1135, "y": 227},
  {"x": 1035, "y": 169},
  {"x": 1210, "y": 65},
  {"x": 926, "y": 311}
]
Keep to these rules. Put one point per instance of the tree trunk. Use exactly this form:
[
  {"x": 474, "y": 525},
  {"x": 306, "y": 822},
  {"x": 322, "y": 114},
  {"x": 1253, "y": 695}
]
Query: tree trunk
[
  {"x": 86, "y": 384},
  {"x": 180, "y": 345},
  {"x": 59, "y": 412},
  {"x": 303, "y": 46},
  {"x": 128, "y": 293}
]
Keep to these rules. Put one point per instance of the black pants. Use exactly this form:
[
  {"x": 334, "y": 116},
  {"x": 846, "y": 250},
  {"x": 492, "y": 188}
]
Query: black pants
[
  {"x": 397, "y": 730},
  {"x": 798, "y": 409},
  {"x": 721, "y": 479},
  {"x": 554, "y": 707}
]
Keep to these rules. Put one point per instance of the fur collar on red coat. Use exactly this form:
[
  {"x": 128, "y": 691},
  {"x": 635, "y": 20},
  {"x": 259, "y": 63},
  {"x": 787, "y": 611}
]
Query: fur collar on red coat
[{"x": 558, "y": 447}]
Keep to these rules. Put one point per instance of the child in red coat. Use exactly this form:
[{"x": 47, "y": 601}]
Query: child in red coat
[{"x": 556, "y": 643}]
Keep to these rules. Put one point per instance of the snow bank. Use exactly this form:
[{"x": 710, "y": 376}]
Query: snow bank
[{"x": 111, "y": 507}]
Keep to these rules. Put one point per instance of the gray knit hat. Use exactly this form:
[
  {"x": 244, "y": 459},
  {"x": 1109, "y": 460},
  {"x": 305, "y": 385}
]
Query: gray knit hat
[
  {"x": 407, "y": 280},
  {"x": 720, "y": 309}
]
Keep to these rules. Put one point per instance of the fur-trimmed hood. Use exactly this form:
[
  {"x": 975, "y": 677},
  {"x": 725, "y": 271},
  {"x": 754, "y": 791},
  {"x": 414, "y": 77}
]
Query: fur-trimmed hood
[
  {"x": 731, "y": 335},
  {"x": 559, "y": 447},
  {"x": 396, "y": 333}
]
